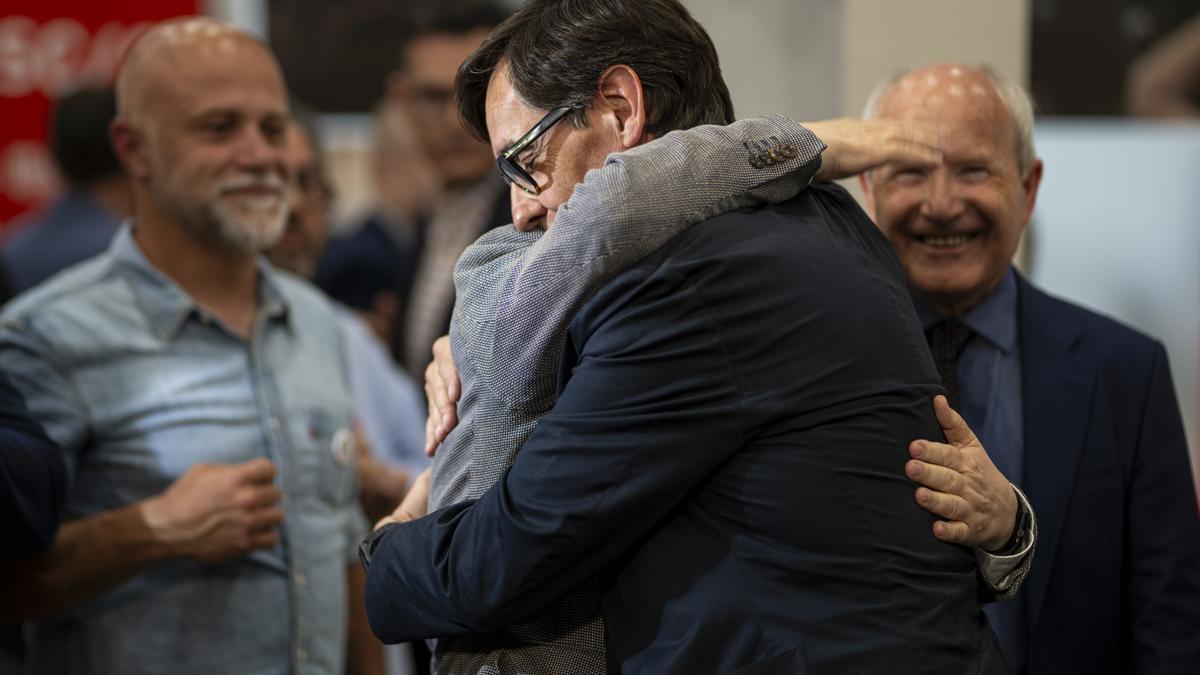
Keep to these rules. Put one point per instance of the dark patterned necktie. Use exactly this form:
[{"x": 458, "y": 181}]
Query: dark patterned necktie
[{"x": 947, "y": 340}]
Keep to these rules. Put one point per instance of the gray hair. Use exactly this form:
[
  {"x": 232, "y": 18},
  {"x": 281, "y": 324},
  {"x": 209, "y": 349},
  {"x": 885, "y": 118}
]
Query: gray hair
[{"x": 1014, "y": 97}]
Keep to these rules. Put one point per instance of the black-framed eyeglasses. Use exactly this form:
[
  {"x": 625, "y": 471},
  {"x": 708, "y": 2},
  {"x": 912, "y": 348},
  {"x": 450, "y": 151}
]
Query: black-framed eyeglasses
[{"x": 513, "y": 172}]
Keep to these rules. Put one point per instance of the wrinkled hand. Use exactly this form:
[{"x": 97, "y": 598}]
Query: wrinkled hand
[
  {"x": 856, "y": 145},
  {"x": 415, "y": 504},
  {"x": 442, "y": 391},
  {"x": 218, "y": 512},
  {"x": 962, "y": 485}
]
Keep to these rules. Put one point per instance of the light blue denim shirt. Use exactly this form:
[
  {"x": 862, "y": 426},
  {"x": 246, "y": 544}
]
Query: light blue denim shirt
[{"x": 137, "y": 383}]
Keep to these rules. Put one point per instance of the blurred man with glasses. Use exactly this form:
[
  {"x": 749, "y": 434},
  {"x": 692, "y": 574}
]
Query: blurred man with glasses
[{"x": 397, "y": 265}]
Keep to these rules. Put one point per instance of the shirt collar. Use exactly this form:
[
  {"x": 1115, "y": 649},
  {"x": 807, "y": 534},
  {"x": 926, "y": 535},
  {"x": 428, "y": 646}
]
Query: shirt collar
[
  {"x": 995, "y": 319},
  {"x": 165, "y": 304}
]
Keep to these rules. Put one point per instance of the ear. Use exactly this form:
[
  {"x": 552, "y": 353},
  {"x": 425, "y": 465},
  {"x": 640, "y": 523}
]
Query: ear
[
  {"x": 868, "y": 195},
  {"x": 622, "y": 104},
  {"x": 130, "y": 148},
  {"x": 396, "y": 84},
  {"x": 1032, "y": 180}
]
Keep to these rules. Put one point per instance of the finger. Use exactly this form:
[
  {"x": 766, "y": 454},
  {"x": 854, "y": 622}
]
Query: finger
[
  {"x": 919, "y": 134},
  {"x": 952, "y": 533},
  {"x": 261, "y": 540},
  {"x": 260, "y": 497},
  {"x": 908, "y": 152},
  {"x": 448, "y": 373},
  {"x": 449, "y": 421},
  {"x": 264, "y": 519},
  {"x": 433, "y": 384},
  {"x": 936, "y": 477},
  {"x": 949, "y": 507},
  {"x": 953, "y": 425},
  {"x": 941, "y": 454},
  {"x": 434, "y": 413},
  {"x": 914, "y": 143},
  {"x": 440, "y": 395},
  {"x": 259, "y": 470},
  {"x": 430, "y": 438}
]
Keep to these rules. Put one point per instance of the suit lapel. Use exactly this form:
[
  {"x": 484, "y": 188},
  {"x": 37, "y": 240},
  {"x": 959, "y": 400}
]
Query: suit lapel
[{"x": 1057, "y": 385}]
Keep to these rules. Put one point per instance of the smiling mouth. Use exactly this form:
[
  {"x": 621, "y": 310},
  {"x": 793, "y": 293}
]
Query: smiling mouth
[
  {"x": 947, "y": 240},
  {"x": 255, "y": 191}
]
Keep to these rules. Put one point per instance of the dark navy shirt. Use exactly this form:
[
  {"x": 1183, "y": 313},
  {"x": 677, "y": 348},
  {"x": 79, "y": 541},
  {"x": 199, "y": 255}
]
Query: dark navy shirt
[
  {"x": 989, "y": 376},
  {"x": 71, "y": 230},
  {"x": 989, "y": 382}
]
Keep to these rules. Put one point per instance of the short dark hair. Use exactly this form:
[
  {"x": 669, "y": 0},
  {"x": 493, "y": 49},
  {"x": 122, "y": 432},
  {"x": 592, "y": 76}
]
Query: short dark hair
[
  {"x": 450, "y": 17},
  {"x": 306, "y": 118},
  {"x": 557, "y": 50},
  {"x": 79, "y": 136}
]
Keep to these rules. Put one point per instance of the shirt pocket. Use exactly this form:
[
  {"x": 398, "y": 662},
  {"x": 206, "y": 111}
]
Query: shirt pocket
[{"x": 334, "y": 443}]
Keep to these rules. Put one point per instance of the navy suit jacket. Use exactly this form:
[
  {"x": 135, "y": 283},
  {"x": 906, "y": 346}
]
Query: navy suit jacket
[
  {"x": 33, "y": 478},
  {"x": 1115, "y": 585},
  {"x": 726, "y": 457}
]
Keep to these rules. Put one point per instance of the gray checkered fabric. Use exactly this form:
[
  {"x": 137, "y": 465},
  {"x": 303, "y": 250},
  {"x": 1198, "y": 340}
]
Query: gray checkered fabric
[{"x": 518, "y": 291}]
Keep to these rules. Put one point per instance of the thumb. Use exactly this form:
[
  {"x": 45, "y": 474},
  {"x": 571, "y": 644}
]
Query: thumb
[
  {"x": 953, "y": 425},
  {"x": 259, "y": 470}
]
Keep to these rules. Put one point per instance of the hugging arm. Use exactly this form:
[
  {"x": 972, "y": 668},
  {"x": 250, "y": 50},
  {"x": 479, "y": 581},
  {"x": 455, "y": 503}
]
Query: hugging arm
[
  {"x": 519, "y": 299},
  {"x": 650, "y": 410}
]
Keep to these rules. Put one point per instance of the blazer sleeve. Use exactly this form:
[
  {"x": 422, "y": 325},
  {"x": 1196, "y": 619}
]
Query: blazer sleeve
[
  {"x": 623, "y": 211},
  {"x": 1163, "y": 556},
  {"x": 649, "y": 410},
  {"x": 32, "y": 478}
]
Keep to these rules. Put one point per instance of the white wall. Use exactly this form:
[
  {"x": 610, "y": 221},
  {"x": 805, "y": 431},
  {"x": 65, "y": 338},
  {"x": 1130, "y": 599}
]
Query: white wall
[
  {"x": 777, "y": 56},
  {"x": 881, "y": 37},
  {"x": 1117, "y": 228}
]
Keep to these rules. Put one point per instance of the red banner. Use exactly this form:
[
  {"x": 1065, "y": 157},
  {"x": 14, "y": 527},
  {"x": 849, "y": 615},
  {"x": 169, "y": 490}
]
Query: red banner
[{"x": 45, "y": 49}]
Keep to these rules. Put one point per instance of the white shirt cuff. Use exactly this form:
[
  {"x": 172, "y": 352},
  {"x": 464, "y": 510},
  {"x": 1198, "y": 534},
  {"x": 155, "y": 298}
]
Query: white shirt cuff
[{"x": 1000, "y": 570}]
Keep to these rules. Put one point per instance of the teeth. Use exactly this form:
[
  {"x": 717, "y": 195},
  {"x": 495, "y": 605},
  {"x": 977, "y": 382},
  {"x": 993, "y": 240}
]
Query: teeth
[
  {"x": 947, "y": 242},
  {"x": 259, "y": 203}
]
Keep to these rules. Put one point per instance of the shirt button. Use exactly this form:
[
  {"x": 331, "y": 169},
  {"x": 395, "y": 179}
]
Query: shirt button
[
  {"x": 299, "y": 578},
  {"x": 301, "y": 654},
  {"x": 273, "y": 422}
]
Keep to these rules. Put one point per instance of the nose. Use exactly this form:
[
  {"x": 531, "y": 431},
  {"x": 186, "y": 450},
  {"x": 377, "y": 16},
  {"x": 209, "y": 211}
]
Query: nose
[
  {"x": 527, "y": 212},
  {"x": 941, "y": 202},
  {"x": 257, "y": 151}
]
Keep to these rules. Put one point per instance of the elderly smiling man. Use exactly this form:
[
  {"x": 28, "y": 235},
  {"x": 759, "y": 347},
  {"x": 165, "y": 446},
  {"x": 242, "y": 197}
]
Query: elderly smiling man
[
  {"x": 1076, "y": 409},
  {"x": 724, "y": 454}
]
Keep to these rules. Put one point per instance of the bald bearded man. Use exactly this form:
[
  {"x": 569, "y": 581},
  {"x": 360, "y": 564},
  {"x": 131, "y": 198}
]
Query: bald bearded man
[{"x": 199, "y": 396}]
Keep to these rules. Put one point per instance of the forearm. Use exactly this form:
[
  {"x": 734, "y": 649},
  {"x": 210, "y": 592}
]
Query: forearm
[
  {"x": 87, "y": 557},
  {"x": 626, "y": 209},
  {"x": 643, "y": 197}
]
